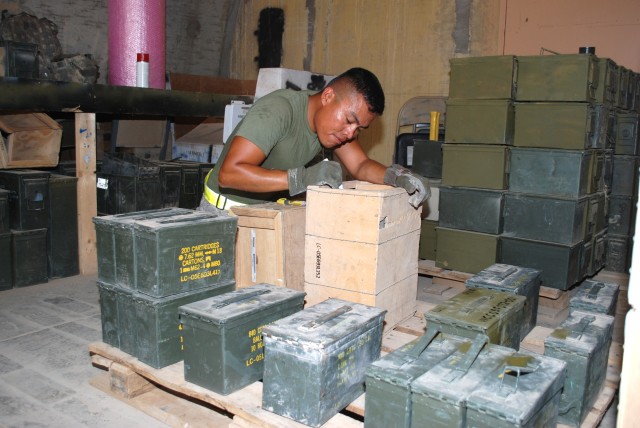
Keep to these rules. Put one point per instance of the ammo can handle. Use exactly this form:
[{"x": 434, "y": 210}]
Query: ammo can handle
[
  {"x": 593, "y": 293},
  {"x": 465, "y": 362},
  {"x": 578, "y": 328},
  {"x": 507, "y": 272},
  {"x": 327, "y": 317},
  {"x": 424, "y": 341},
  {"x": 241, "y": 297},
  {"x": 518, "y": 370}
]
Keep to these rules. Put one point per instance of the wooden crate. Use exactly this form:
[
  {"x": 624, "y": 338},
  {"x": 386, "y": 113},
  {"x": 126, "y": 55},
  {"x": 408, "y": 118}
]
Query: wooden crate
[
  {"x": 399, "y": 299},
  {"x": 361, "y": 245},
  {"x": 33, "y": 140},
  {"x": 270, "y": 245}
]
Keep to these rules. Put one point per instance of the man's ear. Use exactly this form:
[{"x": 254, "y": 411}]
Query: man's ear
[{"x": 328, "y": 94}]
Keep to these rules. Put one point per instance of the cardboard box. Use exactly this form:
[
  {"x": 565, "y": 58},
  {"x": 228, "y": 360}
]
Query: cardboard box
[
  {"x": 33, "y": 140},
  {"x": 270, "y": 245},
  {"x": 139, "y": 132}
]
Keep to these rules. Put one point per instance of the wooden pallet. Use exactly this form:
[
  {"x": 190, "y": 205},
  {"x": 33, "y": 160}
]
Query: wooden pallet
[{"x": 131, "y": 380}]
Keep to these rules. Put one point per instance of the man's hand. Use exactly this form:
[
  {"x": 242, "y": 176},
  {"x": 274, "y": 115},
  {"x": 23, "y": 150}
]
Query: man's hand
[
  {"x": 323, "y": 173},
  {"x": 416, "y": 186}
]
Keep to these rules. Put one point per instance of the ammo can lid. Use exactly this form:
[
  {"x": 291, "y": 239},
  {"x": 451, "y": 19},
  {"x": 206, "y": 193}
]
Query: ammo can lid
[
  {"x": 127, "y": 218},
  {"x": 403, "y": 365},
  {"x": 322, "y": 325},
  {"x": 452, "y": 381},
  {"x": 239, "y": 304},
  {"x": 499, "y": 276},
  {"x": 519, "y": 391},
  {"x": 582, "y": 333},
  {"x": 180, "y": 221},
  {"x": 476, "y": 307},
  {"x": 596, "y": 296},
  {"x": 187, "y": 296}
]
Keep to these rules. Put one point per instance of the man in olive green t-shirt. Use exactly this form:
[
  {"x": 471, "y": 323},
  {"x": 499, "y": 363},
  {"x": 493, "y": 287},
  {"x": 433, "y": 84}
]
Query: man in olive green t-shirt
[{"x": 265, "y": 156}]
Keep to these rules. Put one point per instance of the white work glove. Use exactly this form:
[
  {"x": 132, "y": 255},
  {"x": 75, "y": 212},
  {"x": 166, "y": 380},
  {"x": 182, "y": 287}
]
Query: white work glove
[
  {"x": 416, "y": 185},
  {"x": 327, "y": 173}
]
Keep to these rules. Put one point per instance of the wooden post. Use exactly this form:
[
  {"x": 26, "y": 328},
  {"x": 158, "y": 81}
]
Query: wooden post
[{"x": 87, "y": 198}]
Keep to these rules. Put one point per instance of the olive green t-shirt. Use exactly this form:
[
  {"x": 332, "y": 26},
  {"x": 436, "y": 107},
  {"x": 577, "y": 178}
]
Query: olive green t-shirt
[{"x": 277, "y": 123}]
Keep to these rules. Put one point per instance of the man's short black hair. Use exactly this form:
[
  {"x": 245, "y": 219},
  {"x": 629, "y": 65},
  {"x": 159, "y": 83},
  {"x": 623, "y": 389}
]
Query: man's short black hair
[{"x": 365, "y": 83}]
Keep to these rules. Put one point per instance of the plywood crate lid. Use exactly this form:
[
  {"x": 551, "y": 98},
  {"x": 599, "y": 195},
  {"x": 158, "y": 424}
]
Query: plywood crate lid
[
  {"x": 33, "y": 140},
  {"x": 361, "y": 212}
]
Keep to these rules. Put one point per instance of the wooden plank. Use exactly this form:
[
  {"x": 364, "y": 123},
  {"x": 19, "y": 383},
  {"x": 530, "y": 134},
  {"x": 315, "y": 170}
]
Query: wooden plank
[
  {"x": 550, "y": 293},
  {"x": 127, "y": 383},
  {"x": 245, "y": 402},
  {"x": 559, "y": 302},
  {"x": 428, "y": 267},
  {"x": 168, "y": 408},
  {"x": 85, "y": 124}
]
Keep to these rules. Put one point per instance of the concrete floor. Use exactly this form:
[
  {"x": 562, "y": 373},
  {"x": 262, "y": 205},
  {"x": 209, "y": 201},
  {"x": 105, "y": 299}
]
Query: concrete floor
[{"x": 45, "y": 366}]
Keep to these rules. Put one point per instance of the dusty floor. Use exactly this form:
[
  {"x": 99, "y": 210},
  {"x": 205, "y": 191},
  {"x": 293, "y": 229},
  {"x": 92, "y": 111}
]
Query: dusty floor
[{"x": 45, "y": 367}]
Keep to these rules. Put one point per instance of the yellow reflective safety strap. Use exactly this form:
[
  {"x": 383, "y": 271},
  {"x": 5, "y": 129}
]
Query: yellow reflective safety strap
[{"x": 217, "y": 200}]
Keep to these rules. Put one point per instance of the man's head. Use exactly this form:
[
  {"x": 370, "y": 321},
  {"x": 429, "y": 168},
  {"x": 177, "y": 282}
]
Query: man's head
[{"x": 349, "y": 103}]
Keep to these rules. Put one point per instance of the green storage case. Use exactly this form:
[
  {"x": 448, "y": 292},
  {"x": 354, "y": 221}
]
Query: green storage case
[
  {"x": 427, "y": 245},
  {"x": 488, "y": 77},
  {"x": 109, "y": 313},
  {"x": 170, "y": 183},
  {"x": 595, "y": 296},
  {"x": 513, "y": 279},
  {"x": 568, "y": 77},
  {"x": 427, "y": 158},
  {"x": 496, "y": 314},
  {"x": 465, "y": 251},
  {"x": 62, "y": 238},
  {"x": 560, "y": 264},
  {"x": 6, "y": 272},
  {"x": 315, "y": 359},
  {"x": 599, "y": 253},
  {"x": 29, "y": 197},
  {"x": 624, "y": 175},
  {"x": 555, "y": 125},
  {"x": 157, "y": 324},
  {"x": 608, "y": 76},
  {"x": 626, "y": 136},
  {"x": 596, "y": 172},
  {"x": 474, "y": 165},
  {"x": 439, "y": 396},
  {"x": 559, "y": 220},
  {"x": 388, "y": 379},
  {"x": 127, "y": 320},
  {"x": 477, "y": 210},
  {"x": 623, "y": 97},
  {"x": 115, "y": 244},
  {"x": 29, "y": 257},
  {"x": 4, "y": 211},
  {"x": 602, "y": 116},
  {"x": 607, "y": 170},
  {"x": 552, "y": 172},
  {"x": 525, "y": 394},
  {"x": 622, "y": 215},
  {"x": 184, "y": 253},
  {"x": 618, "y": 253},
  {"x": 583, "y": 341},
  {"x": 223, "y": 348},
  {"x": 119, "y": 194},
  {"x": 480, "y": 121}
]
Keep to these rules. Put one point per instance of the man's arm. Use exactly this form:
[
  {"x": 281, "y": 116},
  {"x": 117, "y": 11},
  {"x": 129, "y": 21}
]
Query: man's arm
[
  {"x": 358, "y": 164},
  {"x": 241, "y": 169}
]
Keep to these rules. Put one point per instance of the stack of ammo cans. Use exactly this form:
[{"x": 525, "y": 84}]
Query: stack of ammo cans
[
  {"x": 539, "y": 165},
  {"x": 152, "y": 262}
]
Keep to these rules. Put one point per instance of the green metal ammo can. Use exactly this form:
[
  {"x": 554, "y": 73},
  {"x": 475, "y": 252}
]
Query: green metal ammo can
[
  {"x": 157, "y": 323},
  {"x": 388, "y": 379},
  {"x": 622, "y": 215},
  {"x": 464, "y": 250},
  {"x": 595, "y": 296},
  {"x": 560, "y": 220},
  {"x": 512, "y": 279},
  {"x": 486, "y": 77},
  {"x": 568, "y": 77},
  {"x": 6, "y": 273},
  {"x": 114, "y": 244},
  {"x": 62, "y": 236},
  {"x": 552, "y": 172},
  {"x": 475, "y": 165},
  {"x": 607, "y": 82},
  {"x": 496, "y": 314},
  {"x": 4, "y": 211},
  {"x": 480, "y": 121},
  {"x": 560, "y": 264},
  {"x": 315, "y": 360},
  {"x": 624, "y": 175},
  {"x": 427, "y": 245},
  {"x": 29, "y": 257},
  {"x": 477, "y": 210},
  {"x": 626, "y": 133},
  {"x": 109, "y": 313},
  {"x": 184, "y": 252},
  {"x": 525, "y": 393},
  {"x": 126, "y": 312},
  {"x": 223, "y": 348},
  {"x": 618, "y": 256},
  {"x": 554, "y": 125},
  {"x": 583, "y": 341},
  {"x": 439, "y": 396}
]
